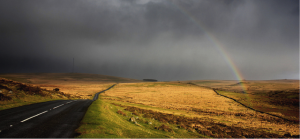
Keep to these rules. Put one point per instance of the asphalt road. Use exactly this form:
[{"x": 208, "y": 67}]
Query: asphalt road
[{"x": 52, "y": 119}]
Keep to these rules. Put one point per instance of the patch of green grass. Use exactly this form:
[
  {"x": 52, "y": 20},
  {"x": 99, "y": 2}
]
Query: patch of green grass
[{"x": 102, "y": 121}]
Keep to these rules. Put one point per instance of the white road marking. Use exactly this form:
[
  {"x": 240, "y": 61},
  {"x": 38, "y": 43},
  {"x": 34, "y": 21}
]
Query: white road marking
[
  {"x": 34, "y": 116},
  {"x": 58, "y": 106},
  {"x": 69, "y": 102},
  {"x": 42, "y": 113}
]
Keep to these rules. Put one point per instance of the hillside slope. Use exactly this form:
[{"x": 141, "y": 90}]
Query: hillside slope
[{"x": 43, "y": 78}]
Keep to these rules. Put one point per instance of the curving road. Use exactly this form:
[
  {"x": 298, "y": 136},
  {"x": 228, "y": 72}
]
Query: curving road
[{"x": 52, "y": 119}]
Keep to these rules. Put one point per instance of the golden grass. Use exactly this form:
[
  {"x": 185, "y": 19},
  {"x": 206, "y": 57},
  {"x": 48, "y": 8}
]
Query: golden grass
[
  {"x": 79, "y": 85},
  {"x": 175, "y": 96},
  {"x": 250, "y": 85},
  {"x": 84, "y": 90},
  {"x": 14, "y": 94},
  {"x": 82, "y": 86},
  {"x": 279, "y": 97},
  {"x": 198, "y": 102},
  {"x": 40, "y": 78}
]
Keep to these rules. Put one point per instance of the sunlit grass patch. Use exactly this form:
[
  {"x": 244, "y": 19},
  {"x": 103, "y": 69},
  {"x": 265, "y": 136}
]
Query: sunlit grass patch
[
  {"x": 171, "y": 95},
  {"x": 14, "y": 94},
  {"x": 194, "y": 101},
  {"x": 29, "y": 99},
  {"x": 103, "y": 121}
]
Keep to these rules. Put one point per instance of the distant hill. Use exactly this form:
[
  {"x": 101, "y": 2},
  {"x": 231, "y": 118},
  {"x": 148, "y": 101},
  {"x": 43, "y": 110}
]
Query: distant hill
[{"x": 42, "y": 78}]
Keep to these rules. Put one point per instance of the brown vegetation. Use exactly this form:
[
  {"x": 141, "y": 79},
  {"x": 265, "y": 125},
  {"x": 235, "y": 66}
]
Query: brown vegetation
[
  {"x": 198, "y": 102},
  {"x": 164, "y": 128},
  {"x": 172, "y": 96},
  {"x": 12, "y": 89},
  {"x": 4, "y": 97},
  {"x": 203, "y": 126},
  {"x": 121, "y": 113},
  {"x": 78, "y": 85},
  {"x": 279, "y": 97}
]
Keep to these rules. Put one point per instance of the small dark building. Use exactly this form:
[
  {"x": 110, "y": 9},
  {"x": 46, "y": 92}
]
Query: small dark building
[{"x": 149, "y": 80}]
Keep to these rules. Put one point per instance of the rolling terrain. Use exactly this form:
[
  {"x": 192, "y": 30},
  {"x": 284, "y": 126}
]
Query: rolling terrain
[
  {"x": 136, "y": 109},
  {"x": 46, "y": 78},
  {"x": 79, "y": 85},
  {"x": 173, "y": 107},
  {"x": 279, "y": 97}
]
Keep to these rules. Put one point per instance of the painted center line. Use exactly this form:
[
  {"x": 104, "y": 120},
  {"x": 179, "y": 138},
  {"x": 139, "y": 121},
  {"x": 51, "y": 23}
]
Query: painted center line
[
  {"x": 34, "y": 116},
  {"x": 58, "y": 106},
  {"x": 41, "y": 113},
  {"x": 69, "y": 102},
  {"x": 44, "y": 112}
]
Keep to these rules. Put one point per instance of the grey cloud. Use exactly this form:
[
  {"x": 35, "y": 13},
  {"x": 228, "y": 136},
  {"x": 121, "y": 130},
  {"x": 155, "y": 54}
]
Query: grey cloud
[{"x": 167, "y": 40}]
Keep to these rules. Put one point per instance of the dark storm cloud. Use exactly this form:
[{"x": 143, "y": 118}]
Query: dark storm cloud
[{"x": 166, "y": 40}]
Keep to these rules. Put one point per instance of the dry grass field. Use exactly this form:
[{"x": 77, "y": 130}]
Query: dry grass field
[
  {"x": 79, "y": 85},
  {"x": 252, "y": 86},
  {"x": 193, "y": 101},
  {"x": 279, "y": 97},
  {"x": 22, "y": 89},
  {"x": 175, "y": 109},
  {"x": 14, "y": 94},
  {"x": 173, "y": 96}
]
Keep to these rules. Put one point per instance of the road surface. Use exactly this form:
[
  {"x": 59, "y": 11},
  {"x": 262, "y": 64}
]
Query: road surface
[{"x": 52, "y": 119}]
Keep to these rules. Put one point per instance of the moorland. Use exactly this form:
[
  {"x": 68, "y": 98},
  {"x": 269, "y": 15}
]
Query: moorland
[
  {"x": 27, "y": 88},
  {"x": 138, "y": 109},
  {"x": 279, "y": 97}
]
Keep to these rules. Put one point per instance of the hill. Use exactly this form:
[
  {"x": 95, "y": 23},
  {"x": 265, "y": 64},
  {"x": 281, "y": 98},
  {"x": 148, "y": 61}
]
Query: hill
[
  {"x": 79, "y": 85},
  {"x": 177, "y": 110},
  {"x": 279, "y": 97},
  {"x": 44, "y": 78},
  {"x": 14, "y": 94}
]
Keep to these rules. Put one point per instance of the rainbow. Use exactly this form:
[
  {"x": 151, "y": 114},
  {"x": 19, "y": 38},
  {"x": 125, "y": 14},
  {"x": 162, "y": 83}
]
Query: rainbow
[{"x": 215, "y": 43}]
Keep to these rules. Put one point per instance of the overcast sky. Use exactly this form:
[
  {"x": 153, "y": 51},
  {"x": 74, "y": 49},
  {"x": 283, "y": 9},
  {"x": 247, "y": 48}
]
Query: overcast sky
[{"x": 159, "y": 39}]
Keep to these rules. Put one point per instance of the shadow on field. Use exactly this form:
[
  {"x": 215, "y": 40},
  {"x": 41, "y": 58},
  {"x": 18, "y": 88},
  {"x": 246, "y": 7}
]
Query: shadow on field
[{"x": 285, "y": 120}]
